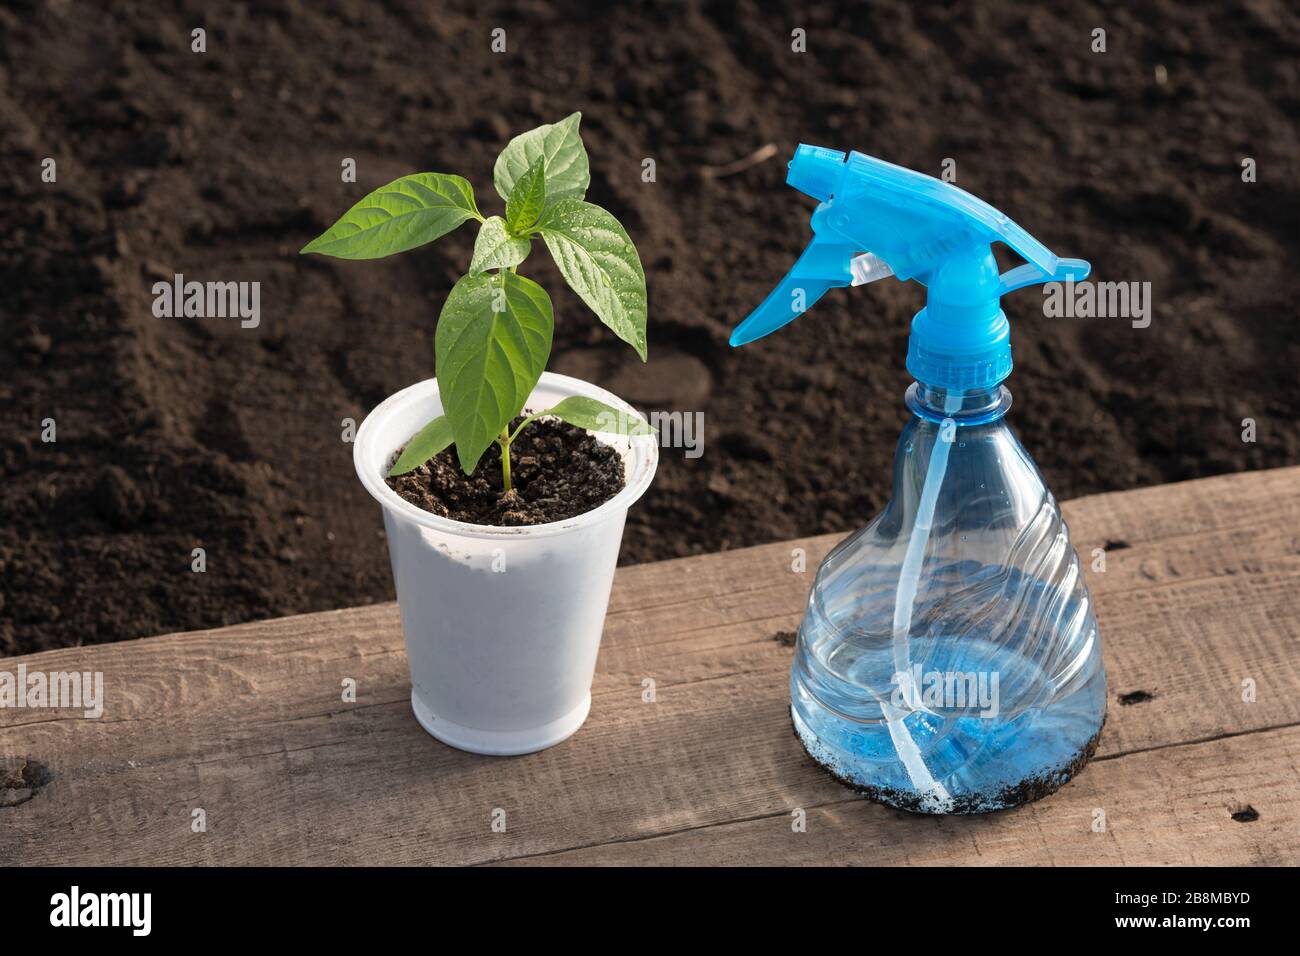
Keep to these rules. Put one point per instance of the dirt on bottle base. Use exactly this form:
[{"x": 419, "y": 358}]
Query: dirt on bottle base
[
  {"x": 557, "y": 471},
  {"x": 1006, "y": 798}
]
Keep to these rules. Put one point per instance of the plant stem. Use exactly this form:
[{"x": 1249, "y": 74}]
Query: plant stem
[
  {"x": 530, "y": 418},
  {"x": 504, "y": 442}
]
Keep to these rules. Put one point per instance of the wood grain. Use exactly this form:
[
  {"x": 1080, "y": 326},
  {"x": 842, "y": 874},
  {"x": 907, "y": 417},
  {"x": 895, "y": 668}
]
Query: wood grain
[{"x": 1201, "y": 592}]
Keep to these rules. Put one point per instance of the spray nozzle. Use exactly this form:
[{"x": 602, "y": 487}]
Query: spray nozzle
[
  {"x": 815, "y": 170},
  {"x": 875, "y": 219}
]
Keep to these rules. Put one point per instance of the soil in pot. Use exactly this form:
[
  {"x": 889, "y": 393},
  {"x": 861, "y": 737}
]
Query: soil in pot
[{"x": 557, "y": 471}]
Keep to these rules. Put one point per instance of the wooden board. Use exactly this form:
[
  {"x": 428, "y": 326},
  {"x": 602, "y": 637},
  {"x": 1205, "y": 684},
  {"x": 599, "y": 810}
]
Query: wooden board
[{"x": 1201, "y": 592}]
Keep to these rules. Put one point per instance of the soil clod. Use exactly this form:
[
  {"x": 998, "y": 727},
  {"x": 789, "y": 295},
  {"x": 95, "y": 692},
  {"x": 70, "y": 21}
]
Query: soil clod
[
  {"x": 1136, "y": 697},
  {"x": 118, "y": 499}
]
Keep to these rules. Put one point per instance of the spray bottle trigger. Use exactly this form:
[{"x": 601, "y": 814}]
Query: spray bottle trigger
[
  {"x": 821, "y": 267},
  {"x": 1067, "y": 270}
]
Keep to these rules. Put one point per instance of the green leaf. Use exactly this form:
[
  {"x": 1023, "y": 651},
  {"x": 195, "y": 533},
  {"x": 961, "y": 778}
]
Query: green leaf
[
  {"x": 567, "y": 172},
  {"x": 598, "y": 417},
  {"x": 599, "y": 262},
  {"x": 495, "y": 248},
  {"x": 527, "y": 197},
  {"x": 492, "y": 343},
  {"x": 426, "y": 443},
  {"x": 406, "y": 213}
]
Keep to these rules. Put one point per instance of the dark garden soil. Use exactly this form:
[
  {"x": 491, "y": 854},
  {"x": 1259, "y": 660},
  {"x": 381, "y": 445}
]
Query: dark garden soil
[
  {"x": 179, "y": 434},
  {"x": 556, "y": 471}
]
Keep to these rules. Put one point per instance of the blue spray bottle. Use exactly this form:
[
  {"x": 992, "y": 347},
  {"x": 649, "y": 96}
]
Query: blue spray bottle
[{"x": 948, "y": 660}]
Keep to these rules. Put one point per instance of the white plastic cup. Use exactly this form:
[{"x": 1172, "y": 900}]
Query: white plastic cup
[{"x": 502, "y": 625}]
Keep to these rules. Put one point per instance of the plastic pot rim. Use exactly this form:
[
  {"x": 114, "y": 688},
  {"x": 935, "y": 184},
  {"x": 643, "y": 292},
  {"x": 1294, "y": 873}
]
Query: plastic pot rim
[{"x": 640, "y": 461}]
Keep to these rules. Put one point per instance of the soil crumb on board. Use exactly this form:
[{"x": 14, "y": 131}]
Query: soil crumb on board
[
  {"x": 1136, "y": 697},
  {"x": 557, "y": 471}
]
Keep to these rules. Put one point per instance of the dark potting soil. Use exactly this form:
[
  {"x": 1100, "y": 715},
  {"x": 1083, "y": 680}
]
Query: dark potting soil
[
  {"x": 179, "y": 434},
  {"x": 556, "y": 471}
]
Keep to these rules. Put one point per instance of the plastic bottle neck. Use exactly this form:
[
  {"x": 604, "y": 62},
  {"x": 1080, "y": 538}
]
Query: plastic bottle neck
[{"x": 975, "y": 406}]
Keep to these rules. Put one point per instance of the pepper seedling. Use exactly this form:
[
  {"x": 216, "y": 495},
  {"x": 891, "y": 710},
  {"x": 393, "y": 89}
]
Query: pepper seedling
[{"x": 494, "y": 332}]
